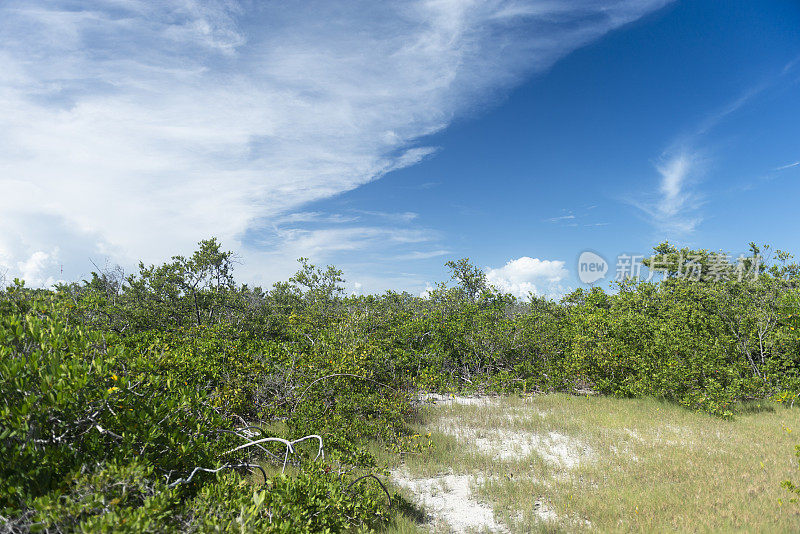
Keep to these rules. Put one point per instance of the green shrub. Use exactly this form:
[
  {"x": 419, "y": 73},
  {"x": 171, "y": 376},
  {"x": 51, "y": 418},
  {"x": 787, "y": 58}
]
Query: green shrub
[
  {"x": 71, "y": 400},
  {"x": 316, "y": 500},
  {"x": 116, "y": 388}
]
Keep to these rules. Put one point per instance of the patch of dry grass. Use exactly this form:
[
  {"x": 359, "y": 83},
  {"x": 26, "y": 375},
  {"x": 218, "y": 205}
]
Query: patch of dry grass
[{"x": 556, "y": 462}]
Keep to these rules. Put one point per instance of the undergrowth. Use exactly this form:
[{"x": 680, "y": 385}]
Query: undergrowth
[{"x": 133, "y": 402}]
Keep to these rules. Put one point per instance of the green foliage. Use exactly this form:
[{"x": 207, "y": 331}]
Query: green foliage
[
  {"x": 181, "y": 293},
  {"x": 316, "y": 500},
  {"x": 93, "y": 429},
  {"x": 316, "y": 285},
  {"x": 790, "y": 325},
  {"x": 71, "y": 399},
  {"x": 114, "y": 498},
  {"x": 661, "y": 340},
  {"x": 791, "y": 486},
  {"x": 115, "y": 388},
  {"x": 471, "y": 280}
]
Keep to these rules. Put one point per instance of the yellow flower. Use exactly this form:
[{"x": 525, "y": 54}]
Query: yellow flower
[
  {"x": 113, "y": 377},
  {"x": 112, "y": 390}
]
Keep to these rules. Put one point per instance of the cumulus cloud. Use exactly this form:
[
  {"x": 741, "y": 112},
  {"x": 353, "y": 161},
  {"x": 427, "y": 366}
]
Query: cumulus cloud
[
  {"x": 33, "y": 270},
  {"x": 426, "y": 293},
  {"x": 357, "y": 287},
  {"x": 528, "y": 275},
  {"x": 132, "y": 129}
]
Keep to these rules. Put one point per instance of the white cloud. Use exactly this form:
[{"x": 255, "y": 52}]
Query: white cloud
[
  {"x": 422, "y": 255},
  {"x": 33, "y": 269},
  {"x": 674, "y": 208},
  {"x": 426, "y": 293},
  {"x": 357, "y": 287},
  {"x": 677, "y": 208},
  {"x": 132, "y": 129},
  {"x": 315, "y": 217},
  {"x": 673, "y": 175},
  {"x": 561, "y": 218},
  {"x": 406, "y": 216},
  {"x": 572, "y": 220},
  {"x": 361, "y": 244},
  {"x": 528, "y": 275},
  {"x": 789, "y": 166}
]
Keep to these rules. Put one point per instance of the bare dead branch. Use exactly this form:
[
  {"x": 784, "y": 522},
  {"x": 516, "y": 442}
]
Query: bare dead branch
[
  {"x": 226, "y": 466},
  {"x": 362, "y": 477},
  {"x": 334, "y": 375}
]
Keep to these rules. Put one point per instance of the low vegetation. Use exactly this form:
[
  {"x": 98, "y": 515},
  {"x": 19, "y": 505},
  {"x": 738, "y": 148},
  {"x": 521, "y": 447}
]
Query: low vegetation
[
  {"x": 174, "y": 399},
  {"x": 569, "y": 463}
]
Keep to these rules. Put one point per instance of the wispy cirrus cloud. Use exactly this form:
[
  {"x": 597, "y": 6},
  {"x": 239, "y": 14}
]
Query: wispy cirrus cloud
[
  {"x": 422, "y": 255},
  {"x": 789, "y": 166},
  {"x": 674, "y": 208},
  {"x": 674, "y": 173},
  {"x": 316, "y": 217},
  {"x": 132, "y": 129},
  {"x": 576, "y": 218},
  {"x": 295, "y": 242},
  {"x": 561, "y": 218},
  {"x": 677, "y": 203},
  {"x": 405, "y": 216}
]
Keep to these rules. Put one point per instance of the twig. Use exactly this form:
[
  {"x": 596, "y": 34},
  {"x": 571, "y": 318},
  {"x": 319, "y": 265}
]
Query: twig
[
  {"x": 320, "y": 452},
  {"x": 104, "y": 431},
  {"x": 362, "y": 477},
  {"x": 237, "y": 434},
  {"x": 290, "y": 449},
  {"x": 226, "y": 466},
  {"x": 333, "y": 376},
  {"x": 265, "y": 440}
]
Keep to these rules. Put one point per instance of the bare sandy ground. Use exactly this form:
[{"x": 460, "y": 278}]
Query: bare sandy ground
[
  {"x": 448, "y": 499},
  {"x": 505, "y": 444}
]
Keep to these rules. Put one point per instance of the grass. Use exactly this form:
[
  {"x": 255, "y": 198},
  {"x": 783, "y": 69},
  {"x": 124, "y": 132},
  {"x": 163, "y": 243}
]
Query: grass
[{"x": 614, "y": 465}]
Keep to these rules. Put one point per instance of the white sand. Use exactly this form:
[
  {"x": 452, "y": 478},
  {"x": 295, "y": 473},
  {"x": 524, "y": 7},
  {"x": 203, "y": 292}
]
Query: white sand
[
  {"x": 505, "y": 444},
  {"x": 448, "y": 499}
]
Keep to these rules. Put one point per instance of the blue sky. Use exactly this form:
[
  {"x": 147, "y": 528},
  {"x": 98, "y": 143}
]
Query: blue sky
[{"x": 388, "y": 138}]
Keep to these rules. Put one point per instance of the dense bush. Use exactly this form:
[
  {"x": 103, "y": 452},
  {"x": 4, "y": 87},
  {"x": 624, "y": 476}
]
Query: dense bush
[
  {"x": 72, "y": 396},
  {"x": 316, "y": 500},
  {"x": 100, "y": 432},
  {"x": 116, "y": 389}
]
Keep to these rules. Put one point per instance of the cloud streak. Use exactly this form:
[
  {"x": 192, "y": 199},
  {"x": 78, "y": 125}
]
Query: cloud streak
[
  {"x": 789, "y": 166},
  {"x": 420, "y": 255},
  {"x": 677, "y": 208},
  {"x": 132, "y": 129},
  {"x": 674, "y": 208}
]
